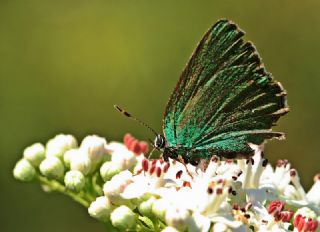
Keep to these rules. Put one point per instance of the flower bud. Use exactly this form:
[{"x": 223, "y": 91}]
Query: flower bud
[
  {"x": 177, "y": 218},
  {"x": 123, "y": 218},
  {"x": 52, "y": 167},
  {"x": 101, "y": 208},
  {"x": 24, "y": 171},
  {"x": 116, "y": 186},
  {"x": 67, "y": 156},
  {"x": 59, "y": 145},
  {"x": 34, "y": 154},
  {"x": 159, "y": 208},
  {"x": 125, "y": 158},
  {"x": 109, "y": 169},
  {"x": 95, "y": 147},
  {"x": 81, "y": 162},
  {"x": 74, "y": 180},
  {"x": 145, "y": 207}
]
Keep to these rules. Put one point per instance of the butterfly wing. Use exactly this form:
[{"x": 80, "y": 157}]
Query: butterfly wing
[{"x": 224, "y": 98}]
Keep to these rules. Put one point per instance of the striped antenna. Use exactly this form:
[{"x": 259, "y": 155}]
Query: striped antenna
[{"x": 125, "y": 113}]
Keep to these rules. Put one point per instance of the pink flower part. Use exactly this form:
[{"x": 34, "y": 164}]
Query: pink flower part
[
  {"x": 286, "y": 216},
  {"x": 275, "y": 209},
  {"x": 156, "y": 166},
  {"x": 304, "y": 224},
  {"x": 135, "y": 145}
]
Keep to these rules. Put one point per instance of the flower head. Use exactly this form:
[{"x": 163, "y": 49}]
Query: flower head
[{"x": 119, "y": 185}]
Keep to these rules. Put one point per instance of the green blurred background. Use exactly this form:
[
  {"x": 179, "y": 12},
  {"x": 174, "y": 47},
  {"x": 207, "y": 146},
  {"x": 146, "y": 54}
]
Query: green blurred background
[{"x": 64, "y": 64}]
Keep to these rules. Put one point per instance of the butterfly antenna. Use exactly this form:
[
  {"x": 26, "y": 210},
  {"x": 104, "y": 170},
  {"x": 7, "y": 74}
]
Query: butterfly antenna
[{"x": 125, "y": 113}]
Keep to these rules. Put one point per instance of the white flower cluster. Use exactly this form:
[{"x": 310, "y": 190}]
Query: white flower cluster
[{"x": 128, "y": 192}]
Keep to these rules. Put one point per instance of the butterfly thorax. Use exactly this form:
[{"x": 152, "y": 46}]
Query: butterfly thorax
[{"x": 177, "y": 152}]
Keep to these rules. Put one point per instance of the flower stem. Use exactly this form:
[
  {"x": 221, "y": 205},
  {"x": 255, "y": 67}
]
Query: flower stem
[{"x": 56, "y": 186}]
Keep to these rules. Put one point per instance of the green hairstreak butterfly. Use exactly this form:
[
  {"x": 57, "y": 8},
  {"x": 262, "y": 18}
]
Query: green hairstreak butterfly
[{"x": 224, "y": 100}]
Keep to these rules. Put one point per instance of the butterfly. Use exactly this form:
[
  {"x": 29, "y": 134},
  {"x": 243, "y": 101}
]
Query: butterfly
[{"x": 224, "y": 100}]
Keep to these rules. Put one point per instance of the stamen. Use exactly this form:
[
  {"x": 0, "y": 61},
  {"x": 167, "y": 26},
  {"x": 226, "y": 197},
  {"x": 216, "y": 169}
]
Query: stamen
[
  {"x": 145, "y": 164},
  {"x": 158, "y": 171},
  {"x": 178, "y": 174},
  {"x": 166, "y": 167},
  {"x": 152, "y": 169},
  {"x": 219, "y": 191},
  {"x": 209, "y": 190},
  {"x": 265, "y": 163},
  {"x": 186, "y": 184}
]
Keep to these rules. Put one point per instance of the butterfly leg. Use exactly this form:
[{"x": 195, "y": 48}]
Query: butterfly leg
[
  {"x": 181, "y": 160},
  {"x": 150, "y": 154}
]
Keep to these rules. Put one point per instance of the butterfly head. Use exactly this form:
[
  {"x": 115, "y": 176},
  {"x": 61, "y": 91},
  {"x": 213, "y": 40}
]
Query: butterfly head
[{"x": 159, "y": 142}]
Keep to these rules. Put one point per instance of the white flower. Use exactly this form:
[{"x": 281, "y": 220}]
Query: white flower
[
  {"x": 122, "y": 156},
  {"x": 60, "y": 144},
  {"x": 199, "y": 223},
  {"x": 116, "y": 186},
  {"x": 52, "y": 167},
  {"x": 81, "y": 162},
  {"x": 159, "y": 208},
  {"x": 177, "y": 217},
  {"x": 67, "y": 156},
  {"x": 74, "y": 180},
  {"x": 149, "y": 178},
  {"x": 34, "y": 154},
  {"x": 95, "y": 147},
  {"x": 123, "y": 218},
  {"x": 216, "y": 195},
  {"x": 145, "y": 207},
  {"x": 313, "y": 195},
  {"x": 24, "y": 171},
  {"x": 101, "y": 208},
  {"x": 109, "y": 169}
]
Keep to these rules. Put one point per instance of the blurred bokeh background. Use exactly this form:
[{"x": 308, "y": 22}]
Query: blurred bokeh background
[{"x": 63, "y": 64}]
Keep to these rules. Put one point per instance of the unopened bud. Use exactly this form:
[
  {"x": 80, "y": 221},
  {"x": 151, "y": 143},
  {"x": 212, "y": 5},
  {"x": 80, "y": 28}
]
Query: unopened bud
[
  {"x": 81, "y": 162},
  {"x": 123, "y": 218},
  {"x": 74, "y": 180},
  {"x": 101, "y": 208},
  {"x": 24, "y": 171},
  {"x": 159, "y": 208},
  {"x": 52, "y": 167},
  {"x": 109, "y": 169},
  {"x": 145, "y": 207},
  {"x": 177, "y": 218},
  {"x": 68, "y": 155},
  {"x": 34, "y": 154},
  {"x": 95, "y": 147},
  {"x": 59, "y": 145}
]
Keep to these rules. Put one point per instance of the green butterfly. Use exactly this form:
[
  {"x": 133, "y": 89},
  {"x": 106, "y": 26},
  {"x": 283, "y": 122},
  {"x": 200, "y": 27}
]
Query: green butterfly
[{"x": 224, "y": 100}]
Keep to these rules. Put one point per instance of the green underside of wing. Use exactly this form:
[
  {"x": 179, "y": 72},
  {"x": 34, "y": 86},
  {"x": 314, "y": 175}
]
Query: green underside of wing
[{"x": 225, "y": 98}]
